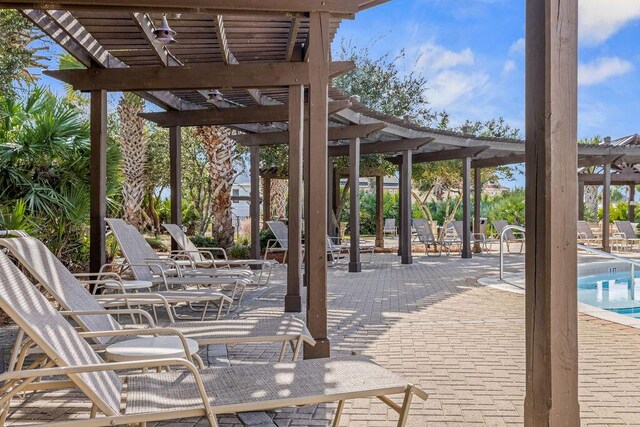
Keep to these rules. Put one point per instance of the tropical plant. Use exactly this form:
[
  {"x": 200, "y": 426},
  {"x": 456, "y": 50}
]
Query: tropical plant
[
  {"x": 44, "y": 170},
  {"x": 508, "y": 207}
]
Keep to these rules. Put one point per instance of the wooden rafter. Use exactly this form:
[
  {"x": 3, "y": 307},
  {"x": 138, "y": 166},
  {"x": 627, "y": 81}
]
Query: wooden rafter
[
  {"x": 75, "y": 39},
  {"x": 334, "y": 134},
  {"x": 232, "y": 116},
  {"x": 293, "y": 36},
  {"x": 437, "y": 156},
  {"x": 585, "y": 162},
  {"x": 144, "y": 22},
  {"x": 511, "y": 159},
  {"x": 193, "y": 77},
  {"x": 380, "y": 147}
]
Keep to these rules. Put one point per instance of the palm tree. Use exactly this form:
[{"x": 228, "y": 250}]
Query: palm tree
[
  {"x": 221, "y": 153},
  {"x": 133, "y": 146},
  {"x": 279, "y": 198}
]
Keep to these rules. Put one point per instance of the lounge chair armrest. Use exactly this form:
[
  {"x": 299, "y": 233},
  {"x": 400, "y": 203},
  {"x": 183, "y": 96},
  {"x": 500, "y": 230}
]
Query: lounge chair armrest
[
  {"x": 480, "y": 236},
  {"x": 212, "y": 250},
  {"x": 137, "y": 311},
  {"x": 115, "y": 366},
  {"x": 271, "y": 243}
]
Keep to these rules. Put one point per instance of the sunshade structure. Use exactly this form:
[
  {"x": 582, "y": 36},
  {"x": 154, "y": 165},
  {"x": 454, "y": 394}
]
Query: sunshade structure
[{"x": 263, "y": 67}]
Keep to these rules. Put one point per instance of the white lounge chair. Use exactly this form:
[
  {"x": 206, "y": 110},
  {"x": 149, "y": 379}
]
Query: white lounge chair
[
  {"x": 146, "y": 265},
  {"x": 390, "y": 227},
  {"x": 281, "y": 241},
  {"x": 206, "y": 257},
  {"x": 188, "y": 392},
  {"x": 627, "y": 233},
  {"x": 426, "y": 237},
  {"x": 510, "y": 237},
  {"x": 71, "y": 295},
  {"x": 479, "y": 238}
]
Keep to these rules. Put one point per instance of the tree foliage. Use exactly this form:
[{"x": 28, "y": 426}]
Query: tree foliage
[{"x": 20, "y": 50}]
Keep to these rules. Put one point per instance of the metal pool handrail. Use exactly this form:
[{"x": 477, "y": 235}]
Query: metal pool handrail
[{"x": 502, "y": 233}]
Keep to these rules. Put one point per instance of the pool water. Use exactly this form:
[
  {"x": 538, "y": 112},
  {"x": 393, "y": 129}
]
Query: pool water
[{"x": 611, "y": 292}]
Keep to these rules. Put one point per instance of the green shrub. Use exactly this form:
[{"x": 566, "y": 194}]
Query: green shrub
[
  {"x": 204, "y": 242},
  {"x": 508, "y": 207},
  {"x": 265, "y": 236},
  {"x": 157, "y": 244},
  {"x": 238, "y": 252}
]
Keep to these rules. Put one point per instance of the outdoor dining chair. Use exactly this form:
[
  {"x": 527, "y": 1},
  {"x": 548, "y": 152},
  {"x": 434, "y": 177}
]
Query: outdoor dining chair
[{"x": 182, "y": 392}]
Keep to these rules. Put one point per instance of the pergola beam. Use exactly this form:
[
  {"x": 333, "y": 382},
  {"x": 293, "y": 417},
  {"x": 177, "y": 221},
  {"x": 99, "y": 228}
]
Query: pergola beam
[
  {"x": 511, "y": 159},
  {"x": 232, "y": 116},
  {"x": 379, "y": 147},
  {"x": 335, "y": 134},
  {"x": 215, "y": 7},
  {"x": 437, "y": 156},
  {"x": 193, "y": 77},
  {"x": 586, "y": 162}
]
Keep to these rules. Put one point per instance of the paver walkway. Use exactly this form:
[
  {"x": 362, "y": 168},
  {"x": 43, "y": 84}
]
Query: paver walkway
[{"x": 431, "y": 322}]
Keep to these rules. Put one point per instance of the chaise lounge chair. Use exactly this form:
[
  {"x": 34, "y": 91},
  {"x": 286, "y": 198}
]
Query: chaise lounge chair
[
  {"x": 426, "y": 237},
  {"x": 509, "y": 236},
  {"x": 206, "y": 257},
  {"x": 71, "y": 295},
  {"x": 627, "y": 234},
  {"x": 146, "y": 265},
  {"x": 479, "y": 238},
  {"x": 585, "y": 234},
  {"x": 176, "y": 394}
]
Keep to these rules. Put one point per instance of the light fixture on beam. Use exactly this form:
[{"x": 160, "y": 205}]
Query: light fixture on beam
[
  {"x": 164, "y": 34},
  {"x": 214, "y": 96}
]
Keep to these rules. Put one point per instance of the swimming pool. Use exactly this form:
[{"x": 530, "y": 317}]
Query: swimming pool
[{"x": 607, "y": 286}]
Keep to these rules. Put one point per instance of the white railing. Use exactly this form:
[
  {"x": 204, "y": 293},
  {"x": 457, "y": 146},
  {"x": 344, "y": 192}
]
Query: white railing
[{"x": 502, "y": 233}]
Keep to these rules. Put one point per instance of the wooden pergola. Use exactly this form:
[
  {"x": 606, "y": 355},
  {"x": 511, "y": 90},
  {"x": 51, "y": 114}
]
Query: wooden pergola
[{"x": 264, "y": 67}]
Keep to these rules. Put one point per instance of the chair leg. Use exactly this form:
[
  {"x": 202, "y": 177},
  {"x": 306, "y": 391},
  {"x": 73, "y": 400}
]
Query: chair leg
[
  {"x": 406, "y": 405},
  {"x": 283, "y": 349},
  {"x": 336, "y": 419}
]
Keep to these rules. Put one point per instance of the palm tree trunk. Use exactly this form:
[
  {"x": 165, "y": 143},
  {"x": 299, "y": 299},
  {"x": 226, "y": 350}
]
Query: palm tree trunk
[{"x": 279, "y": 198}]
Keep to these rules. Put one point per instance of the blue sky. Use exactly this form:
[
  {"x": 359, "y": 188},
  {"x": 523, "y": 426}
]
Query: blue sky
[{"x": 472, "y": 52}]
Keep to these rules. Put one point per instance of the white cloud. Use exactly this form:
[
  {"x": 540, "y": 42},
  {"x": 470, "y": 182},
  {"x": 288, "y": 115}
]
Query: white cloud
[
  {"x": 451, "y": 87},
  {"x": 436, "y": 58},
  {"x": 517, "y": 48},
  {"x": 602, "y": 69},
  {"x": 508, "y": 68},
  {"x": 600, "y": 19}
]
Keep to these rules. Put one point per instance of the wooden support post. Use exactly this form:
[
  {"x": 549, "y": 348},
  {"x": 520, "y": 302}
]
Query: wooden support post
[
  {"x": 332, "y": 229},
  {"x": 175, "y": 178},
  {"x": 293, "y": 301},
  {"x": 380, "y": 211},
  {"x": 581, "y": 201},
  {"x": 477, "y": 199},
  {"x": 354, "y": 206},
  {"x": 254, "y": 208},
  {"x": 316, "y": 268},
  {"x": 631, "y": 216},
  {"x": 405, "y": 202},
  {"x": 336, "y": 197},
  {"x": 606, "y": 209},
  {"x": 551, "y": 214},
  {"x": 266, "y": 202},
  {"x": 98, "y": 187},
  {"x": 306, "y": 198},
  {"x": 400, "y": 209},
  {"x": 466, "y": 208}
]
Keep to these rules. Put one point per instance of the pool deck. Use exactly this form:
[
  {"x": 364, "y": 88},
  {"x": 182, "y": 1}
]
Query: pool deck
[{"x": 431, "y": 322}]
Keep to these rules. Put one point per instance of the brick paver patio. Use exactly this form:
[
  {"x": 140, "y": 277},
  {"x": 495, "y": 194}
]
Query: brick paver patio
[{"x": 462, "y": 342}]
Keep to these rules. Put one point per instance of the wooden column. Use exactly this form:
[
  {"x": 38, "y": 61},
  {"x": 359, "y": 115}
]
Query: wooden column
[
  {"x": 551, "y": 213},
  {"x": 380, "y": 211},
  {"x": 354, "y": 206},
  {"x": 254, "y": 207},
  {"x": 400, "y": 209},
  {"x": 266, "y": 203},
  {"x": 606, "y": 209},
  {"x": 332, "y": 229},
  {"x": 466, "y": 208},
  {"x": 175, "y": 178},
  {"x": 631, "y": 216},
  {"x": 477, "y": 199},
  {"x": 335, "y": 192},
  {"x": 405, "y": 202},
  {"x": 98, "y": 178},
  {"x": 319, "y": 41},
  {"x": 293, "y": 301},
  {"x": 581, "y": 201}
]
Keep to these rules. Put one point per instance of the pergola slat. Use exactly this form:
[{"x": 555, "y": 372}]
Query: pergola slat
[
  {"x": 442, "y": 155},
  {"x": 379, "y": 147},
  {"x": 232, "y": 116},
  {"x": 193, "y": 77},
  {"x": 334, "y": 134}
]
